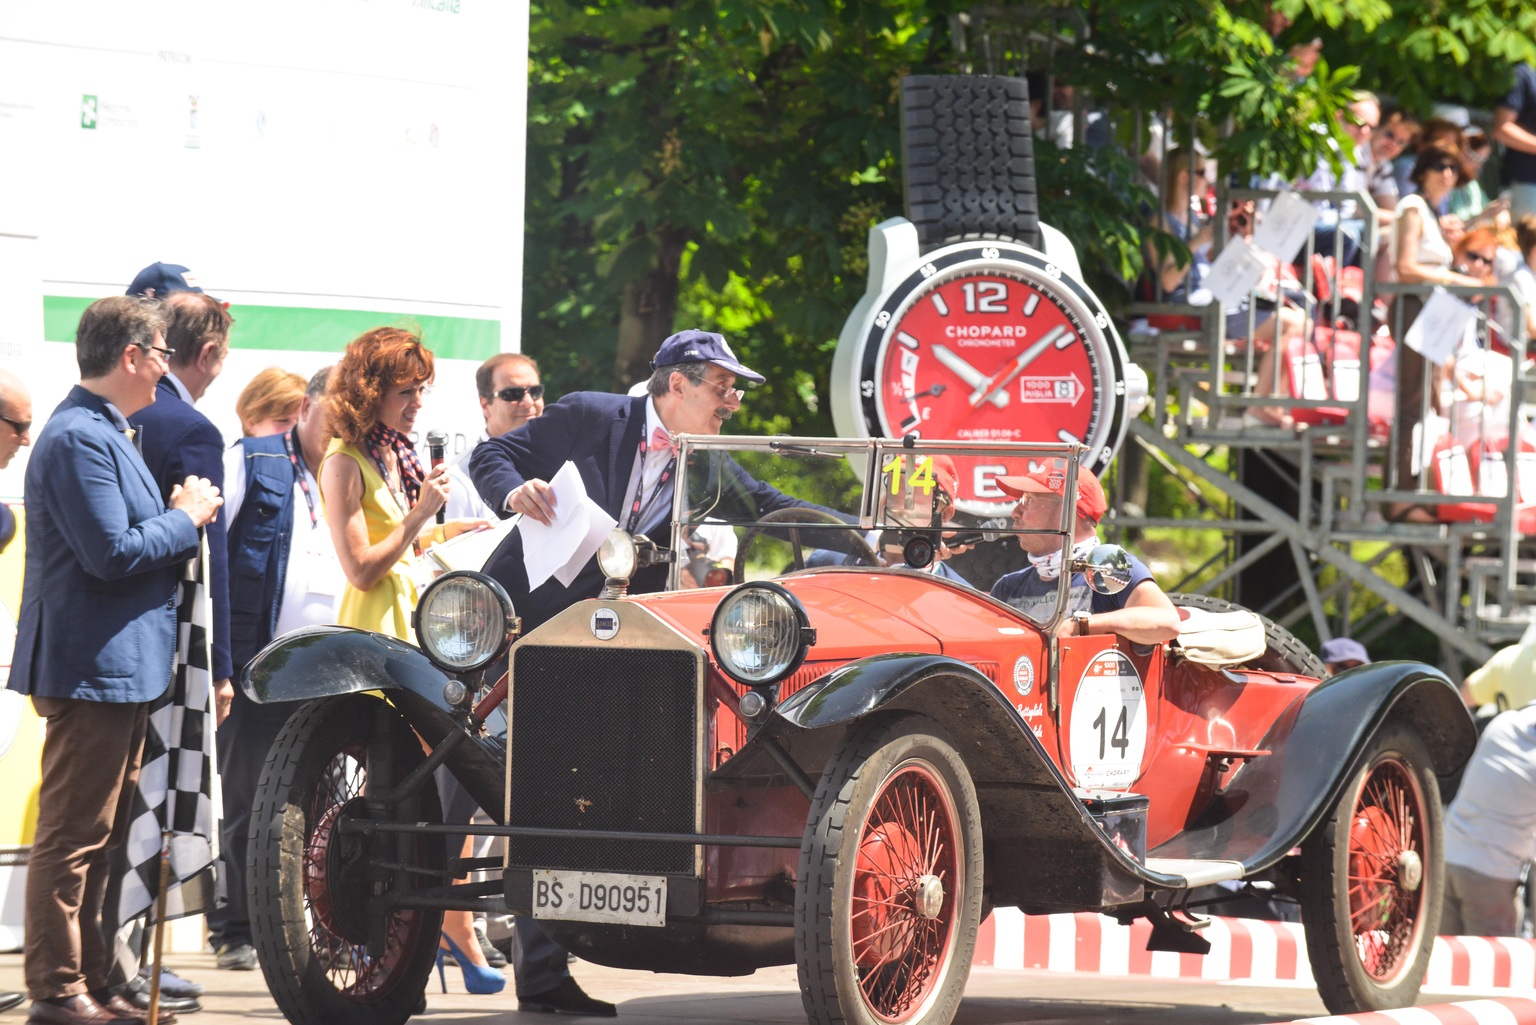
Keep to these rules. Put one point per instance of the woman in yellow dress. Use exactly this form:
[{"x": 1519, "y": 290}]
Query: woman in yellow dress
[{"x": 380, "y": 505}]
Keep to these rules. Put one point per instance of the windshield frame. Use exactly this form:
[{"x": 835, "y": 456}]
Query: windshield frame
[{"x": 876, "y": 455}]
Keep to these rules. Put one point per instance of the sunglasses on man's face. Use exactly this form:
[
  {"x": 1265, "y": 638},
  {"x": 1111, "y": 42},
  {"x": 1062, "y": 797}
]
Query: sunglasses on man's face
[{"x": 516, "y": 393}]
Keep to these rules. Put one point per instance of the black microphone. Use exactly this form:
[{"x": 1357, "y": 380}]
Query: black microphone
[{"x": 437, "y": 443}]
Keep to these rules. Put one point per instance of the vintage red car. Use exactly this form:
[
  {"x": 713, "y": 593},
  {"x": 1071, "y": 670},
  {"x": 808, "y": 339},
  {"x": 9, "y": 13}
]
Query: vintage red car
[{"x": 842, "y": 768}]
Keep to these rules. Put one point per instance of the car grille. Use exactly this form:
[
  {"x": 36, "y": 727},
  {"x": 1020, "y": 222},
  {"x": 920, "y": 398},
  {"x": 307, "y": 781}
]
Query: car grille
[{"x": 603, "y": 739}]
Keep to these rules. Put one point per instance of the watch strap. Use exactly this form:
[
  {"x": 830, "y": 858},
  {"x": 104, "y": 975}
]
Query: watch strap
[{"x": 968, "y": 159}]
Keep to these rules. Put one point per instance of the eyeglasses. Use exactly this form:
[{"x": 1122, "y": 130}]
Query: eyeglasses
[
  {"x": 18, "y": 426},
  {"x": 516, "y": 393},
  {"x": 1444, "y": 165},
  {"x": 165, "y": 351},
  {"x": 725, "y": 392},
  {"x": 1482, "y": 257}
]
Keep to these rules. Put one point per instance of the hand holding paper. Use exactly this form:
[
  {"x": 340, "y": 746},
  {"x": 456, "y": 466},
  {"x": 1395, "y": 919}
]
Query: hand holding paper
[{"x": 574, "y": 534}]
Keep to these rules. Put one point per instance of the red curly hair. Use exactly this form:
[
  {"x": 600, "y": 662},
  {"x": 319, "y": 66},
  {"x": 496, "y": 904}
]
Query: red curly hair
[{"x": 374, "y": 362}]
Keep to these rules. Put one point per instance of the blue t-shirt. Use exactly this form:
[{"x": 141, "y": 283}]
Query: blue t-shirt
[
  {"x": 1521, "y": 167},
  {"x": 1036, "y": 598}
]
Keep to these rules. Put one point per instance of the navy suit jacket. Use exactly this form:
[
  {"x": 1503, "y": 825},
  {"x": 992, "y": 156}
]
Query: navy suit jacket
[
  {"x": 600, "y": 434},
  {"x": 178, "y": 442},
  {"x": 98, "y": 603}
]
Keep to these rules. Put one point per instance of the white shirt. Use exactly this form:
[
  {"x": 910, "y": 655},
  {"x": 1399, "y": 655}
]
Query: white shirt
[
  {"x": 647, "y": 470},
  {"x": 464, "y": 502},
  {"x": 313, "y": 581}
]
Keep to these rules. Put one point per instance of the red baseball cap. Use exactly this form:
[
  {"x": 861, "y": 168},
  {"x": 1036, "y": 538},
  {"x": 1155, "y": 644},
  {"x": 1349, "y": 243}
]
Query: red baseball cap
[{"x": 1051, "y": 479}]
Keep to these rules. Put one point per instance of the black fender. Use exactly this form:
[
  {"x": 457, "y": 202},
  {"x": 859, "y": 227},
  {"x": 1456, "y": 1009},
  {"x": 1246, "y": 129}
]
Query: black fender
[
  {"x": 1044, "y": 847},
  {"x": 329, "y": 661},
  {"x": 1274, "y": 803},
  {"x": 324, "y": 661}
]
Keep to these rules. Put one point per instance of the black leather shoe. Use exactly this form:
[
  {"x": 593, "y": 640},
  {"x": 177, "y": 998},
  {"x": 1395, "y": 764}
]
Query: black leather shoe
[
  {"x": 566, "y": 998},
  {"x": 9, "y": 1000},
  {"x": 137, "y": 996}
]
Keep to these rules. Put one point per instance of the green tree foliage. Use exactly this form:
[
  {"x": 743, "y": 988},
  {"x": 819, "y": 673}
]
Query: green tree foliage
[{"x": 718, "y": 163}]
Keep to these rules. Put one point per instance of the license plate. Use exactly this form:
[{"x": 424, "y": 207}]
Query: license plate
[{"x": 599, "y": 897}]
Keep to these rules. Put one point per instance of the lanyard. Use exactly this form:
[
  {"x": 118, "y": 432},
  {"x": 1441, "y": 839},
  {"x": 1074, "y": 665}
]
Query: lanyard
[
  {"x": 296, "y": 457},
  {"x": 402, "y": 499},
  {"x": 639, "y": 502}
]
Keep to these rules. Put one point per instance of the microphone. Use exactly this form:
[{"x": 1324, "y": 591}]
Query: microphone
[{"x": 437, "y": 442}]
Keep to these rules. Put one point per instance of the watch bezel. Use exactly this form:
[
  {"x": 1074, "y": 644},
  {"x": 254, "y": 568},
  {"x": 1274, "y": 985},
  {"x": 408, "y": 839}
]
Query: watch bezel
[{"x": 880, "y": 315}]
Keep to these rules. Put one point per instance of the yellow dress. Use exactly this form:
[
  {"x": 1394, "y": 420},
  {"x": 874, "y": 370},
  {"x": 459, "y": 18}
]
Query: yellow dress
[{"x": 386, "y": 607}]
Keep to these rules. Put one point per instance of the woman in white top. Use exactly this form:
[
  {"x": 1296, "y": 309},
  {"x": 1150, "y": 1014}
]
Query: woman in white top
[{"x": 1419, "y": 254}]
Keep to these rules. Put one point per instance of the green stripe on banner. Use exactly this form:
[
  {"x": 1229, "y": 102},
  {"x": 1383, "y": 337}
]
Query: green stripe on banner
[{"x": 311, "y": 330}]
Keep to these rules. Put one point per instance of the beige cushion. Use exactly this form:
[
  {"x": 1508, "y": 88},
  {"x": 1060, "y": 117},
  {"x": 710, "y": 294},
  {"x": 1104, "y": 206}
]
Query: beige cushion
[{"x": 1220, "y": 638}]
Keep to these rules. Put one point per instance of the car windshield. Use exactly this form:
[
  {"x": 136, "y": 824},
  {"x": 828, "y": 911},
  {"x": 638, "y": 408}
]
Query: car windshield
[{"x": 905, "y": 504}]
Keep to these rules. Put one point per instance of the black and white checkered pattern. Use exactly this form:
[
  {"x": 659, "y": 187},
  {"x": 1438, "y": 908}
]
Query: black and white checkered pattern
[{"x": 178, "y": 790}]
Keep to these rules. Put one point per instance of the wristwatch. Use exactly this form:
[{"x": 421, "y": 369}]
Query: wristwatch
[
  {"x": 975, "y": 324},
  {"x": 1081, "y": 620}
]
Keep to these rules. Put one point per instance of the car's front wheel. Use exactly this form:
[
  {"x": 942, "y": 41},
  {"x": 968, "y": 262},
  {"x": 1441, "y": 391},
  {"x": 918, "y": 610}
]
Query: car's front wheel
[
  {"x": 889, "y": 900},
  {"x": 1371, "y": 880},
  {"x": 315, "y": 895}
]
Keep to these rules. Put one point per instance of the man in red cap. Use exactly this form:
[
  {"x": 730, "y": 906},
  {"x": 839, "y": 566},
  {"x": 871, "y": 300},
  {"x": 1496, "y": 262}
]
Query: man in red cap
[{"x": 1141, "y": 613}]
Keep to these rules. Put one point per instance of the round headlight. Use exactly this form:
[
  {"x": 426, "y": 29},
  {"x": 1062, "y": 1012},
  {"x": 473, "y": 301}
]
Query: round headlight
[
  {"x": 464, "y": 621},
  {"x": 760, "y": 633},
  {"x": 617, "y": 556}
]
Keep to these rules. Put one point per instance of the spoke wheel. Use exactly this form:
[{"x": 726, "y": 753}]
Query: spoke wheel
[
  {"x": 312, "y": 901},
  {"x": 890, "y": 881},
  {"x": 1372, "y": 880}
]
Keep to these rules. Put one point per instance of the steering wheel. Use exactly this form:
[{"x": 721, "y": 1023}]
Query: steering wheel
[{"x": 798, "y": 514}]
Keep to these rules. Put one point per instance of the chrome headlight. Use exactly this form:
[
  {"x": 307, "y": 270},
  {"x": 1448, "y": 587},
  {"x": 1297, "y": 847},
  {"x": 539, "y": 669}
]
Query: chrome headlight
[
  {"x": 617, "y": 556},
  {"x": 463, "y": 621},
  {"x": 760, "y": 633}
]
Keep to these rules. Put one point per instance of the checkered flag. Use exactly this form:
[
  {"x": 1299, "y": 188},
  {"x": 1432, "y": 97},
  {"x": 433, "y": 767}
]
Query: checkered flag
[{"x": 178, "y": 789}]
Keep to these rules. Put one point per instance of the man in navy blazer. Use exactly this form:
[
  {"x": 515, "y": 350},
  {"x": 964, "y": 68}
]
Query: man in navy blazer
[
  {"x": 95, "y": 643},
  {"x": 178, "y": 441},
  {"x": 619, "y": 445}
]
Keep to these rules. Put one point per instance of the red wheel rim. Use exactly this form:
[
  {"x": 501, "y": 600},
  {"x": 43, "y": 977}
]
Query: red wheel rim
[
  {"x": 906, "y": 886},
  {"x": 1387, "y": 852},
  {"x": 351, "y": 971}
]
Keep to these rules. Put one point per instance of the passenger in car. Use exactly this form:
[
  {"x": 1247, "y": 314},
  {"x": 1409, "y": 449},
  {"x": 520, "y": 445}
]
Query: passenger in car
[
  {"x": 911, "y": 507},
  {"x": 1141, "y": 613}
]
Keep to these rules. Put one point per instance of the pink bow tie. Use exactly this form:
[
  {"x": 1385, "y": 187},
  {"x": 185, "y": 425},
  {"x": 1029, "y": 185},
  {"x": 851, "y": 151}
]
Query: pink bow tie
[{"x": 660, "y": 439}]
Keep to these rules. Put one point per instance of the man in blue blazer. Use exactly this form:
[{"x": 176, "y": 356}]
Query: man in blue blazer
[
  {"x": 620, "y": 446},
  {"x": 95, "y": 642},
  {"x": 178, "y": 441}
]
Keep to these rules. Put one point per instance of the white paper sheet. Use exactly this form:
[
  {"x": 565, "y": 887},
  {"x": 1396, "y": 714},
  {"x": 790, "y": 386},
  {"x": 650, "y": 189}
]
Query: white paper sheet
[
  {"x": 471, "y": 550},
  {"x": 1236, "y": 272},
  {"x": 561, "y": 549},
  {"x": 1285, "y": 226},
  {"x": 1438, "y": 329}
]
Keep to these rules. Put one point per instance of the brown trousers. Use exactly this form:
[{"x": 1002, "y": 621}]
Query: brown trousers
[{"x": 91, "y": 759}]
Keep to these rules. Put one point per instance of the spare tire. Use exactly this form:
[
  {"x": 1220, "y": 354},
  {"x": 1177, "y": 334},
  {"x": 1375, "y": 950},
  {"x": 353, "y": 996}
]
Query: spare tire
[{"x": 1283, "y": 653}]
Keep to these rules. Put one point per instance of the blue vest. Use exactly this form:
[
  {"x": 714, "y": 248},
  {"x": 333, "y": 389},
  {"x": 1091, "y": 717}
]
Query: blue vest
[{"x": 258, "y": 546}]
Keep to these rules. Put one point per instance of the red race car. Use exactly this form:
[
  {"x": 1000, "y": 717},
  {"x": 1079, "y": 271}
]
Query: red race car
[{"x": 843, "y": 761}]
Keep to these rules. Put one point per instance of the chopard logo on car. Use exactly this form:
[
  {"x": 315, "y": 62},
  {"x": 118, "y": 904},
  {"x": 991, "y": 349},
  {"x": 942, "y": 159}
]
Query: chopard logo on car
[{"x": 605, "y": 624}]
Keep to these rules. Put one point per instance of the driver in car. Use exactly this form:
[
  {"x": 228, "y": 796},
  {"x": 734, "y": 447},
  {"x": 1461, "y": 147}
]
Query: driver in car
[
  {"x": 1141, "y": 613},
  {"x": 931, "y": 485}
]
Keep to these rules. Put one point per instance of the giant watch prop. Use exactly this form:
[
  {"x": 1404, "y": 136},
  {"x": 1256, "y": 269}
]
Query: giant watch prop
[{"x": 976, "y": 325}]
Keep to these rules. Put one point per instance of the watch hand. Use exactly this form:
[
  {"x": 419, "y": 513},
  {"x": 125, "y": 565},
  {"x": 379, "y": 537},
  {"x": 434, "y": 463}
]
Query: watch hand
[
  {"x": 967, "y": 373},
  {"x": 986, "y": 390},
  {"x": 935, "y": 391}
]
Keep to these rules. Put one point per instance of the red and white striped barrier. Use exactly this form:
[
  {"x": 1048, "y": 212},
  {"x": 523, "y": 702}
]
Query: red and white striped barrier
[
  {"x": 1247, "y": 949},
  {"x": 1505, "y": 1011}
]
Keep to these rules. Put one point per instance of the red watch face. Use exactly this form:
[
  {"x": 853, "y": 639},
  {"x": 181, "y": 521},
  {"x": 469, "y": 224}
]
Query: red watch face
[{"x": 990, "y": 356}]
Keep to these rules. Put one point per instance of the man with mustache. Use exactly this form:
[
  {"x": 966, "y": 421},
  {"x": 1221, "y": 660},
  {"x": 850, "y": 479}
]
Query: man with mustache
[{"x": 623, "y": 448}]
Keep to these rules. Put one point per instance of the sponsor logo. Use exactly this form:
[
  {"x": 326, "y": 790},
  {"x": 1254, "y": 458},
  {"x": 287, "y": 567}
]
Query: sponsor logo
[
  {"x": 1024, "y": 676},
  {"x": 88, "y": 111},
  {"x": 444, "y": 6}
]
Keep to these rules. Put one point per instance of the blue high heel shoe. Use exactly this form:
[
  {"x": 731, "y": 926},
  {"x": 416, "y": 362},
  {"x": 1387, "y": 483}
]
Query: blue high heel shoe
[{"x": 477, "y": 978}]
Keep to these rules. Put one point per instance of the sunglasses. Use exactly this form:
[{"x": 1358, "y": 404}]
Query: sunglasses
[
  {"x": 1481, "y": 257},
  {"x": 1444, "y": 166},
  {"x": 19, "y": 426},
  {"x": 516, "y": 393}
]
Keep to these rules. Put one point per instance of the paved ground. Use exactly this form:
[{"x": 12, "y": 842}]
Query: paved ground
[{"x": 770, "y": 997}]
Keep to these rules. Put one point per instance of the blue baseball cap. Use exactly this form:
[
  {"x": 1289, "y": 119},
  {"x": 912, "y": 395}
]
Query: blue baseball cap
[
  {"x": 694, "y": 346},
  {"x": 1343, "y": 649},
  {"x": 159, "y": 280}
]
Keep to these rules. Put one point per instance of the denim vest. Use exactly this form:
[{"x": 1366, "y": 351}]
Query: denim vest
[{"x": 258, "y": 546}]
